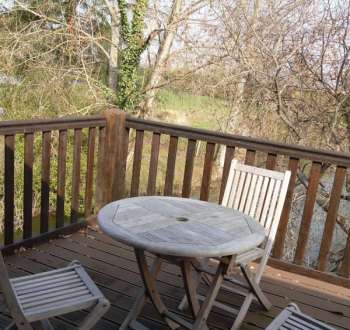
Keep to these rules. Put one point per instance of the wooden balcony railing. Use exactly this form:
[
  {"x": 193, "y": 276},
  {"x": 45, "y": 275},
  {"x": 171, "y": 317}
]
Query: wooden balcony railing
[
  {"x": 42, "y": 133},
  {"x": 124, "y": 168}
]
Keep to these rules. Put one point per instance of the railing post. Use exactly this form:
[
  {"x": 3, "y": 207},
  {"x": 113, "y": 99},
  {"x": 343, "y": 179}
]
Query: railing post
[
  {"x": 120, "y": 156},
  {"x": 112, "y": 169}
]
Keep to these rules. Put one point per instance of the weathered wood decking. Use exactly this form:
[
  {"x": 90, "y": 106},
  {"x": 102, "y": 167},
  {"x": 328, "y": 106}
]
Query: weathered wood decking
[{"x": 113, "y": 268}]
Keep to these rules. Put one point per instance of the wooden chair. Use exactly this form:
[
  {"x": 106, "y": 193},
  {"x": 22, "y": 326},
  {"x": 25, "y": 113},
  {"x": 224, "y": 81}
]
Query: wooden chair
[
  {"x": 292, "y": 318},
  {"x": 259, "y": 193},
  {"x": 33, "y": 299}
]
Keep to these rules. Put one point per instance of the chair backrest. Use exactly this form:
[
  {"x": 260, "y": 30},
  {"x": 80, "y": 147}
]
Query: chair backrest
[
  {"x": 10, "y": 297},
  {"x": 257, "y": 192}
]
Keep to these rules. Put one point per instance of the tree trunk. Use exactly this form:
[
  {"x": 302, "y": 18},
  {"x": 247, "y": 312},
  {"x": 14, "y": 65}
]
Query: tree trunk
[
  {"x": 162, "y": 56},
  {"x": 113, "y": 56}
]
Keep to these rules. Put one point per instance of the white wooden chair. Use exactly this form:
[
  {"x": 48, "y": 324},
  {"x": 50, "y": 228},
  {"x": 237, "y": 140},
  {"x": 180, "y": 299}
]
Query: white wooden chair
[
  {"x": 33, "y": 299},
  {"x": 259, "y": 193},
  {"x": 292, "y": 318}
]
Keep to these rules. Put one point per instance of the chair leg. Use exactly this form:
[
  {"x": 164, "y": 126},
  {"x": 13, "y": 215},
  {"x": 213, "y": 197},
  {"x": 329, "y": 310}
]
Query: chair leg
[
  {"x": 42, "y": 325},
  {"x": 255, "y": 288},
  {"x": 242, "y": 312},
  {"x": 183, "y": 304},
  {"x": 11, "y": 326},
  {"x": 19, "y": 326},
  {"x": 46, "y": 325},
  {"x": 95, "y": 315}
]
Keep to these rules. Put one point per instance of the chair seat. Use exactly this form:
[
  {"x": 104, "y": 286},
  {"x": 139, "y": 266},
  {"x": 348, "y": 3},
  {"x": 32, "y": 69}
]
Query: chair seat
[
  {"x": 53, "y": 293},
  {"x": 249, "y": 256},
  {"x": 292, "y": 318},
  {"x": 242, "y": 258}
]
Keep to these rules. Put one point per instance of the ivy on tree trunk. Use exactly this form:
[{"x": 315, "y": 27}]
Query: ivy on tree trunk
[{"x": 128, "y": 89}]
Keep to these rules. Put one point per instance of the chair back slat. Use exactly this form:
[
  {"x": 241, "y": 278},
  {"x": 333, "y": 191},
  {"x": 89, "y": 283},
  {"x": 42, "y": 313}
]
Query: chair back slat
[
  {"x": 261, "y": 199},
  {"x": 257, "y": 192},
  {"x": 250, "y": 195},
  {"x": 239, "y": 191},
  {"x": 272, "y": 210},
  {"x": 246, "y": 187}
]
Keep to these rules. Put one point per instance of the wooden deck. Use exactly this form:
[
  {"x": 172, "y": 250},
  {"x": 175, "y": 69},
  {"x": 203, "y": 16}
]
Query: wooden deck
[{"x": 113, "y": 268}]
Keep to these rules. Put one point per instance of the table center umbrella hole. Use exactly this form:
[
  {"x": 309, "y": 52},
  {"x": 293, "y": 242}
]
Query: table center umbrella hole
[{"x": 182, "y": 219}]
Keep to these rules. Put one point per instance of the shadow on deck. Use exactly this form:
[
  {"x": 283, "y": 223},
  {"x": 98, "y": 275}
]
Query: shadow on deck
[{"x": 112, "y": 266}]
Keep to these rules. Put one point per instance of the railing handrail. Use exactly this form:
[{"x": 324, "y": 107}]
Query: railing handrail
[
  {"x": 293, "y": 151},
  {"x": 8, "y": 127}
]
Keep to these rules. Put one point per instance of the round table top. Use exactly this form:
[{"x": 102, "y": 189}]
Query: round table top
[{"x": 180, "y": 227}]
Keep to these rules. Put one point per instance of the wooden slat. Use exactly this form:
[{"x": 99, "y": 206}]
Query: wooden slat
[
  {"x": 136, "y": 168},
  {"x": 187, "y": 180},
  {"x": 331, "y": 218},
  {"x": 245, "y": 191},
  {"x": 9, "y": 189},
  {"x": 121, "y": 148},
  {"x": 229, "y": 153},
  {"x": 100, "y": 171},
  {"x": 345, "y": 265},
  {"x": 207, "y": 169},
  {"x": 76, "y": 175},
  {"x": 295, "y": 151},
  {"x": 271, "y": 161},
  {"x": 282, "y": 227},
  {"x": 61, "y": 178},
  {"x": 11, "y": 127},
  {"x": 250, "y": 157},
  {"x": 308, "y": 212},
  {"x": 28, "y": 185},
  {"x": 90, "y": 172},
  {"x": 170, "y": 170},
  {"x": 108, "y": 166},
  {"x": 153, "y": 165},
  {"x": 45, "y": 181}
]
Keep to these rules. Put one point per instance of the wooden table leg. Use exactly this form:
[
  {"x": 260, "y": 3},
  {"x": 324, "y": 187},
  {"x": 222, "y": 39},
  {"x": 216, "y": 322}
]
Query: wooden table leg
[
  {"x": 191, "y": 285},
  {"x": 130, "y": 321},
  {"x": 214, "y": 288},
  {"x": 149, "y": 281}
]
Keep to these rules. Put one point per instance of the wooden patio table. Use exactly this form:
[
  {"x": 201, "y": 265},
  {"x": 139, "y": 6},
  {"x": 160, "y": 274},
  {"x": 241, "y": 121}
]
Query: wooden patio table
[{"x": 181, "y": 231}]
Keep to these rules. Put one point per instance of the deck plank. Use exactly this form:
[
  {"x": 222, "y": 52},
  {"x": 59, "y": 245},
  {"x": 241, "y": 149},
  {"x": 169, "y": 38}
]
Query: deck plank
[{"x": 112, "y": 266}]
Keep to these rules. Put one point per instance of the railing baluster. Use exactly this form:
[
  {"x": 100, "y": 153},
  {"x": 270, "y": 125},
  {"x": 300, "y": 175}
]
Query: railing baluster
[
  {"x": 89, "y": 172},
  {"x": 308, "y": 212},
  {"x": 271, "y": 161},
  {"x": 170, "y": 170},
  {"x": 100, "y": 194},
  {"x": 207, "y": 169},
  {"x": 187, "y": 180},
  {"x": 76, "y": 175},
  {"x": 345, "y": 265},
  {"x": 250, "y": 157},
  {"x": 331, "y": 219},
  {"x": 136, "y": 168},
  {"x": 61, "y": 177},
  {"x": 9, "y": 178},
  {"x": 282, "y": 227},
  {"x": 45, "y": 181},
  {"x": 229, "y": 153},
  {"x": 28, "y": 185},
  {"x": 153, "y": 165}
]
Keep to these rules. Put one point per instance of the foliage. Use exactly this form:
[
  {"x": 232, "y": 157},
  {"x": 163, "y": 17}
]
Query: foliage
[{"x": 128, "y": 89}]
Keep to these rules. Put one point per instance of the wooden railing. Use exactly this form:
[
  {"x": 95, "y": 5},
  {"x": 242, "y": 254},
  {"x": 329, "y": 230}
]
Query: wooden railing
[
  {"x": 171, "y": 165},
  {"x": 29, "y": 136}
]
